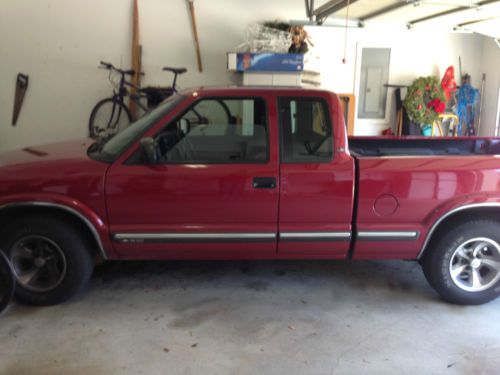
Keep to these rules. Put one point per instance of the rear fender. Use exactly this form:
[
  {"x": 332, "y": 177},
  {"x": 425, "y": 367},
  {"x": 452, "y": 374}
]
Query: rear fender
[{"x": 464, "y": 206}]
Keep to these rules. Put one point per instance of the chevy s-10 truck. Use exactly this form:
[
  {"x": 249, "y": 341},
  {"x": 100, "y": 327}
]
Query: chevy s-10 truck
[{"x": 251, "y": 173}]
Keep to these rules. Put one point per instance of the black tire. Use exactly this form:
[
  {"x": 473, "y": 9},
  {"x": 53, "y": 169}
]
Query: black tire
[
  {"x": 108, "y": 115},
  {"x": 52, "y": 250},
  {"x": 474, "y": 282},
  {"x": 7, "y": 282}
]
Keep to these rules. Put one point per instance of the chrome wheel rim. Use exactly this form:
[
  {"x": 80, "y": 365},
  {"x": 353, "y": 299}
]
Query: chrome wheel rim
[
  {"x": 38, "y": 263},
  {"x": 475, "y": 264}
]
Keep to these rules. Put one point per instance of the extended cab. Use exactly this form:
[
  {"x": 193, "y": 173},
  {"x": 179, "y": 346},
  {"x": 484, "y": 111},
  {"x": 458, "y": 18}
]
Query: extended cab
[{"x": 252, "y": 173}]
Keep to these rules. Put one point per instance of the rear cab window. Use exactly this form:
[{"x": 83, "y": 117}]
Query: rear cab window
[{"x": 305, "y": 130}]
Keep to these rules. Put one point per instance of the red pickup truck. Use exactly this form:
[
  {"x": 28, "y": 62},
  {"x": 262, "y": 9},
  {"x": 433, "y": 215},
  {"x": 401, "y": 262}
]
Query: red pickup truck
[{"x": 252, "y": 173}]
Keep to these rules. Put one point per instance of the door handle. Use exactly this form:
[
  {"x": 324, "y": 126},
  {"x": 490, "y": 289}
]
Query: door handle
[{"x": 264, "y": 183}]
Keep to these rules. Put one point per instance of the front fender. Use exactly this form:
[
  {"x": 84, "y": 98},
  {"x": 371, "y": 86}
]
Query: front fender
[{"x": 92, "y": 220}]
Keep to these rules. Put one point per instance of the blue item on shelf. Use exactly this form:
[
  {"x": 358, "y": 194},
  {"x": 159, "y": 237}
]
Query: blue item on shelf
[
  {"x": 269, "y": 62},
  {"x": 467, "y": 98}
]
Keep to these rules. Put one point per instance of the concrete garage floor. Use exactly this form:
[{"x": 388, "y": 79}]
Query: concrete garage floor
[{"x": 308, "y": 317}]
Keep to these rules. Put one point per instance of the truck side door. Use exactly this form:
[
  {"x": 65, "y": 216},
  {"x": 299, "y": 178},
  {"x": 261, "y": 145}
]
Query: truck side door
[
  {"x": 213, "y": 192},
  {"x": 316, "y": 179}
]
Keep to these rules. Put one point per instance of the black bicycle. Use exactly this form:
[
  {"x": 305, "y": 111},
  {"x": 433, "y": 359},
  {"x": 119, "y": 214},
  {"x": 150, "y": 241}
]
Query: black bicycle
[{"x": 111, "y": 115}]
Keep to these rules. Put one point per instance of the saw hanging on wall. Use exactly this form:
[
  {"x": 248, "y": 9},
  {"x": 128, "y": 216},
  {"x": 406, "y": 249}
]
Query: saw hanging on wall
[{"x": 21, "y": 87}]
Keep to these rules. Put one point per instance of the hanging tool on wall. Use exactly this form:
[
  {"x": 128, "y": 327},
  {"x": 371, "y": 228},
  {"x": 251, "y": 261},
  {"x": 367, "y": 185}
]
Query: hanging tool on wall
[
  {"x": 195, "y": 34},
  {"x": 136, "y": 59},
  {"x": 467, "y": 99},
  {"x": 21, "y": 87},
  {"x": 480, "y": 104}
]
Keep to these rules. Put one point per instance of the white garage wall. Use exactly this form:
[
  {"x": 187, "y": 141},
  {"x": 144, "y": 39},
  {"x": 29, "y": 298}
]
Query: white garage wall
[
  {"x": 413, "y": 53},
  {"x": 60, "y": 42},
  {"x": 490, "y": 65}
]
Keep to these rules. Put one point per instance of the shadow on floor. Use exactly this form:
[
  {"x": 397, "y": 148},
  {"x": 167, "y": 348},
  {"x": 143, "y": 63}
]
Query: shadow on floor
[{"x": 397, "y": 277}]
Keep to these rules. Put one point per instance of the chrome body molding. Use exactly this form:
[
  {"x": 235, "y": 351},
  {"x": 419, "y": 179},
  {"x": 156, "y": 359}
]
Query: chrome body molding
[
  {"x": 449, "y": 213},
  {"x": 189, "y": 237},
  {"x": 70, "y": 210},
  {"x": 225, "y": 237},
  {"x": 387, "y": 235},
  {"x": 315, "y": 236}
]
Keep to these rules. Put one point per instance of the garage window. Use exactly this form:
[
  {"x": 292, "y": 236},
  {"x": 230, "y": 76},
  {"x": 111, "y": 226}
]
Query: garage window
[{"x": 217, "y": 131}]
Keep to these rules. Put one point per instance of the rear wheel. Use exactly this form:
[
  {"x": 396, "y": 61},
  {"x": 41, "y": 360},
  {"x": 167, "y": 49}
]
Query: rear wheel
[
  {"x": 49, "y": 259},
  {"x": 109, "y": 115},
  {"x": 464, "y": 264}
]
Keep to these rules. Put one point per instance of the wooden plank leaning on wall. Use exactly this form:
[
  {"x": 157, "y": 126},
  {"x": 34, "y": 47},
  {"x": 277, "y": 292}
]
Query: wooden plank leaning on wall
[
  {"x": 348, "y": 102},
  {"x": 136, "y": 59}
]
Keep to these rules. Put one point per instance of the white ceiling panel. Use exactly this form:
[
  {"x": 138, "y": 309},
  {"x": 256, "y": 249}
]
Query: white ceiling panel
[
  {"x": 442, "y": 14},
  {"x": 490, "y": 28}
]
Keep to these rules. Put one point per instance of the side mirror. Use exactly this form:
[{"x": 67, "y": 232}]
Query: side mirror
[{"x": 148, "y": 150}]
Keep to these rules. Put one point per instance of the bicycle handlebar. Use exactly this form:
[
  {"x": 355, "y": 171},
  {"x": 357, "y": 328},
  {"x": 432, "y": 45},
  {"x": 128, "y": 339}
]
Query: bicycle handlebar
[{"x": 109, "y": 66}]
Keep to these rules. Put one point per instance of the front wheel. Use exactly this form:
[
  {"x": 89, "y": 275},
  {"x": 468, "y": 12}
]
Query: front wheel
[
  {"x": 7, "y": 282},
  {"x": 49, "y": 258},
  {"x": 109, "y": 115},
  {"x": 464, "y": 264}
]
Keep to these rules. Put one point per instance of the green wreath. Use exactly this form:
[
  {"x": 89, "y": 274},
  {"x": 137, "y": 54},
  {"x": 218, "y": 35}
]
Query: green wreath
[{"x": 425, "y": 100}]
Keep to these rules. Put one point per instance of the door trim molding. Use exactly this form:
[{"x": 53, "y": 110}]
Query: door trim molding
[
  {"x": 192, "y": 237},
  {"x": 315, "y": 236},
  {"x": 388, "y": 235}
]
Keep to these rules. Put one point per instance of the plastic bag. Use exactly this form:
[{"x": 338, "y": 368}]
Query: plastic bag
[{"x": 260, "y": 38}]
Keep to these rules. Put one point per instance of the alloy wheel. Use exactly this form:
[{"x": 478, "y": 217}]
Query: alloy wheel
[
  {"x": 38, "y": 262},
  {"x": 475, "y": 264}
]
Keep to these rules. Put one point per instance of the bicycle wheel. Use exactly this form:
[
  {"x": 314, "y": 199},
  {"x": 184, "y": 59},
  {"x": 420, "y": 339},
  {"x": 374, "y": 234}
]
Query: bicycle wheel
[{"x": 108, "y": 115}]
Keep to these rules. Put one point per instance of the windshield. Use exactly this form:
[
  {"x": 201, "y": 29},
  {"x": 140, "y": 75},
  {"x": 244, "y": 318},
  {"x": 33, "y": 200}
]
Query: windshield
[{"x": 116, "y": 145}]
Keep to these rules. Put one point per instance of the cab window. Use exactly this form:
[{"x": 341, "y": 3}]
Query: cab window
[
  {"x": 216, "y": 130},
  {"x": 306, "y": 130}
]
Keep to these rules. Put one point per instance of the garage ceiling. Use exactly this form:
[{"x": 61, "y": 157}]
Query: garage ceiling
[{"x": 481, "y": 16}]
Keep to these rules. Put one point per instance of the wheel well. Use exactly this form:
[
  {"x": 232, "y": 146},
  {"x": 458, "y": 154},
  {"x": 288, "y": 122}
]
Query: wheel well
[
  {"x": 459, "y": 217},
  {"x": 9, "y": 214}
]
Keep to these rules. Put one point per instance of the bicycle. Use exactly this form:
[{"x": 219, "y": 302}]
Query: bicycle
[{"x": 111, "y": 115}]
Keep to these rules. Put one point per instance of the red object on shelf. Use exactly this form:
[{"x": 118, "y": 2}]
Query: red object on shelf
[
  {"x": 448, "y": 83},
  {"x": 437, "y": 105}
]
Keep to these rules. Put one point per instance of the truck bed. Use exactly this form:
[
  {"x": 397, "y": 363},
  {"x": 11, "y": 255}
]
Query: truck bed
[{"x": 423, "y": 146}]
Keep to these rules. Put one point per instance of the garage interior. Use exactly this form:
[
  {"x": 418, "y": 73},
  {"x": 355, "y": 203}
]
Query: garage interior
[{"x": 239, "y": 317}]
